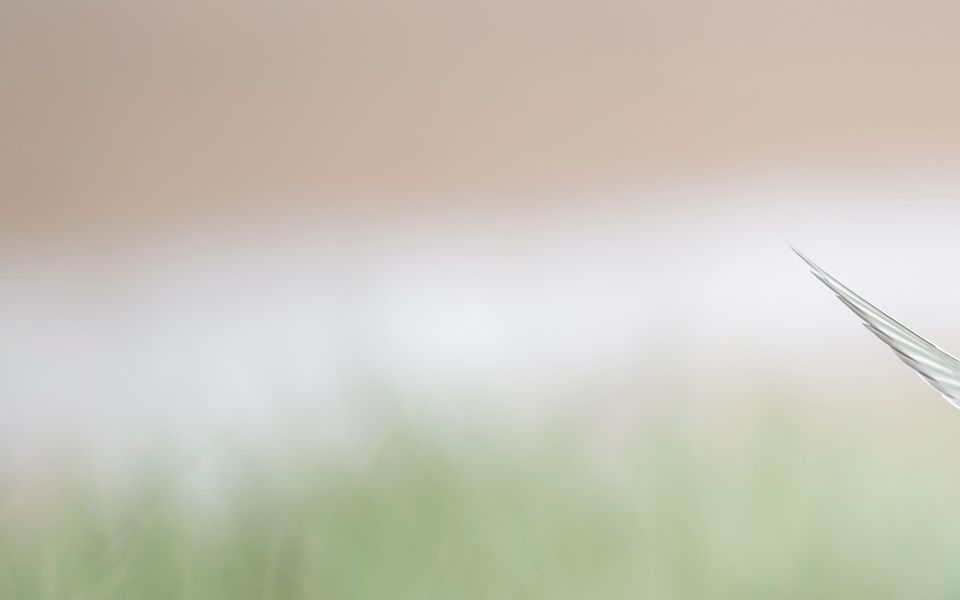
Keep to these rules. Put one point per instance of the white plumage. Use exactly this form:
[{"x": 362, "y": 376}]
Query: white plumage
[{"x": 937, "y": 367}]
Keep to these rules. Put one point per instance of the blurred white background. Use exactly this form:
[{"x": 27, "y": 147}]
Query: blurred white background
[{"x": 234, "y": 218}]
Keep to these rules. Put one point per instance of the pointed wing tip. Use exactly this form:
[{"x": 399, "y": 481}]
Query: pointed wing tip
[
  {"x": 816, "y": 268},
  {"x": 870, "y": 316},
  {"x": 795, "y": 249}
]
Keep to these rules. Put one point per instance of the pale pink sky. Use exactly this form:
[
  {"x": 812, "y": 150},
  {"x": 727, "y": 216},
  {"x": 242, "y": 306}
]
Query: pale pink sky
[{"x": 133, "y": 115}]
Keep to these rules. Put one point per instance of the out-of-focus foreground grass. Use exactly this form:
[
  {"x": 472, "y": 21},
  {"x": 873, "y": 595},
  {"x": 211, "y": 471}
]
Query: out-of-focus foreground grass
[{"x": 764, "y": 504}]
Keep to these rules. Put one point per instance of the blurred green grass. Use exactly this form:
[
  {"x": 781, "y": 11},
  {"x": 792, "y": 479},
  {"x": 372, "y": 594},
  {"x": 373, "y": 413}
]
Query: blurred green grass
[{"x": 758, "y": 504}]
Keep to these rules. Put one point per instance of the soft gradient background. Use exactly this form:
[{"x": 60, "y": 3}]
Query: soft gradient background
[{"x": 291, "y": 242}]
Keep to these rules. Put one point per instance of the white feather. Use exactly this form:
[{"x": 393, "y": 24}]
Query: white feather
[{"x": 937, "y": 367}]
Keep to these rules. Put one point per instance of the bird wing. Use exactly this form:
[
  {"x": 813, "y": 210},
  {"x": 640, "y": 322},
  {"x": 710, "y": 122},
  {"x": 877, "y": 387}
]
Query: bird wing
[{"x": 937, "y": 367}]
